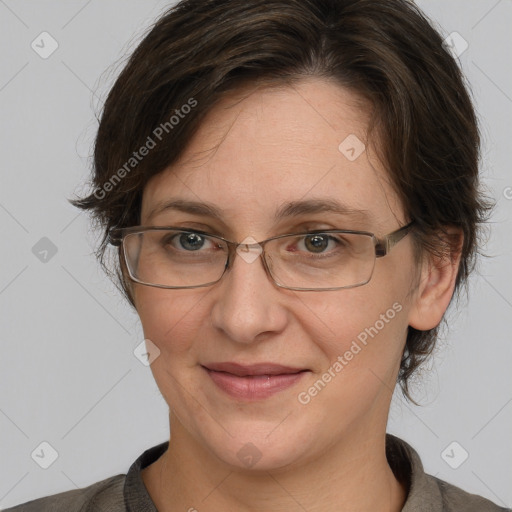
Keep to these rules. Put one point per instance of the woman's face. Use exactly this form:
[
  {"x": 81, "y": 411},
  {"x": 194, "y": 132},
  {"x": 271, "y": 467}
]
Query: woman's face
[{"x": 250, "y": 158}]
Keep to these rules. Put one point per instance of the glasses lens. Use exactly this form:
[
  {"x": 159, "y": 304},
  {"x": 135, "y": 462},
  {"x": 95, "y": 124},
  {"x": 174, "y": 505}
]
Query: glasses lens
[
  {"x": 316, "y": 261},
  {"x": 174, "y": 258},
  {"x": 321, "y": 260}
]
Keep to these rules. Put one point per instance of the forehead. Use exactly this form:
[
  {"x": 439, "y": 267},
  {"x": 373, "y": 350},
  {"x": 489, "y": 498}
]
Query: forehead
[{"x": 261, "y": 149}]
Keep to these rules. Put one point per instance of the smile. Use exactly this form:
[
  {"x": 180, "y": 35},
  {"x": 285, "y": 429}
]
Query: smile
[{"x": 255, "y": 382}]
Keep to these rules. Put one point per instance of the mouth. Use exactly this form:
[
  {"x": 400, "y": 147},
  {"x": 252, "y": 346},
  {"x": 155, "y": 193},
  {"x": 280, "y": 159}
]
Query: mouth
[
  {"x": 251, "y": 370},
  {"x": 255, "y": 381}
]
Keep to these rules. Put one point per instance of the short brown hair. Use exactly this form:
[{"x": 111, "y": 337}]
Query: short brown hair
[{"x": 386, "y": 51}]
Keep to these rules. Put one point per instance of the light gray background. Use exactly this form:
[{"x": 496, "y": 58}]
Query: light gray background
[{"x": 67, "y": 370}]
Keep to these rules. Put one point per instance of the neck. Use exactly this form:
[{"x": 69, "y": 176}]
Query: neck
[{"x": 353, "y": 475}]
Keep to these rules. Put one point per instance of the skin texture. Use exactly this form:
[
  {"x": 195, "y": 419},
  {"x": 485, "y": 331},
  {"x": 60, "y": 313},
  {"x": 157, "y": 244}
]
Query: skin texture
[{"x": 256, "y": 150}]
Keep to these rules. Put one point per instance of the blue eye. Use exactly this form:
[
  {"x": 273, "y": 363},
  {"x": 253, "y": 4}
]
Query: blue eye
[
  {"x": 184, "y": 240},
  {"x": 191, "y": 241}
]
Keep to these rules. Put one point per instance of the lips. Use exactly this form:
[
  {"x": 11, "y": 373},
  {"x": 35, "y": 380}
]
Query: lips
[
  {"x": 253, "y": 382},
  {"x": 253, "y": 369}
]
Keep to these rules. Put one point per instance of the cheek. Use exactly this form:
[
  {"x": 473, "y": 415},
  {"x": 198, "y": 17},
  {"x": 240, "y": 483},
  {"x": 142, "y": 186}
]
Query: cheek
[
  {"x": 170, "y": 318},
  {"x": 365, "y": 326},
  {"x": 361, "y": 363}
]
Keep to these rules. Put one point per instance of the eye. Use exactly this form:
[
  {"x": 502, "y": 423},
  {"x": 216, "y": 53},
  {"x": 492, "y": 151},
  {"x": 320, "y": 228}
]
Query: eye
[
  {"x": 317, "y": 243},
  {"x": 187, "y": 240}
]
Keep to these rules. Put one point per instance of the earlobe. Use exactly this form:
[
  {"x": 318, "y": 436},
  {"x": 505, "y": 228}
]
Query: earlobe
[{"x": 436, "y": 284}]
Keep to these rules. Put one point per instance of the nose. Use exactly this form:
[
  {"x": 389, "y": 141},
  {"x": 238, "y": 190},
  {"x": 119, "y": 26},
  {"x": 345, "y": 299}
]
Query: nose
[{"x": 247, "y": 303}]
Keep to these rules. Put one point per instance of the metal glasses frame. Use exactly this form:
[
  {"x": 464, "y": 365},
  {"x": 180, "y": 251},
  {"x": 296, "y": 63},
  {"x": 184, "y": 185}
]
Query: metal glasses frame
[{"x": 382, "y": 245}]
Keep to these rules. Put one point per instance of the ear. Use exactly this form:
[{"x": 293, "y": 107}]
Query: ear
[{"x": 437, "y": 283}]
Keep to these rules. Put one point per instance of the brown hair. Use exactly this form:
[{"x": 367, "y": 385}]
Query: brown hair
[{"x": 384, "y": 50}]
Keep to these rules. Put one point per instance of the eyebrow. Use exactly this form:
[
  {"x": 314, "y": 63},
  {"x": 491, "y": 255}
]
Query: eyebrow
[{"x": 289, "y": 209}]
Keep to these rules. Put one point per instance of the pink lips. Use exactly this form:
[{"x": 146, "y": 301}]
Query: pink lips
[{"x": 253, "y": 382}]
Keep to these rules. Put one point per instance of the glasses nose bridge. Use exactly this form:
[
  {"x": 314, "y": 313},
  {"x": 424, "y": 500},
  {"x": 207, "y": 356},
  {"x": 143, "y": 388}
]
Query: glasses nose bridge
[{"x": 259, "y": 246}]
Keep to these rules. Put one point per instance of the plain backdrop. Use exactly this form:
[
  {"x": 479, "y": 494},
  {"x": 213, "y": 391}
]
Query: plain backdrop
[{"x": 68, "y": 373}]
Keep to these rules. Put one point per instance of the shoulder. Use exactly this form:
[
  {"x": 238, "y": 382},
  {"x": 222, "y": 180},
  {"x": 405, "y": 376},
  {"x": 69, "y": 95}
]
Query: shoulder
[
  {"x": 114, "y": 494},
  {"x": 106, "y": 495},
  {"x": 455, "y": 499},
  {"x": 427, "y": 493}
]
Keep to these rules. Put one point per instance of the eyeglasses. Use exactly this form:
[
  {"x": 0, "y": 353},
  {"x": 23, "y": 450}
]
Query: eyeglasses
[{"x": 333, "y": 259}]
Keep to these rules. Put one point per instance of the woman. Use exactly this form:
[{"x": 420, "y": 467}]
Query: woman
[{"x": 292, "y": 226}]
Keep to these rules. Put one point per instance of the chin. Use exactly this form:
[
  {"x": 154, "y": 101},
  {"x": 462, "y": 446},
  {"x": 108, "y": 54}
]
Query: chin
[{"x": 261, "y": 449}]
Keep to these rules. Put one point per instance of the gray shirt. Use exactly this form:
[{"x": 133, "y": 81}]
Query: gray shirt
[{"x": 127, "y": 493}]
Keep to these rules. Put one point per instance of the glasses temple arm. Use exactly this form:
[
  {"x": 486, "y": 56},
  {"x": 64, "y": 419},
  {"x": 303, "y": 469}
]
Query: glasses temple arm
[{"x": 385, "y": 244}]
